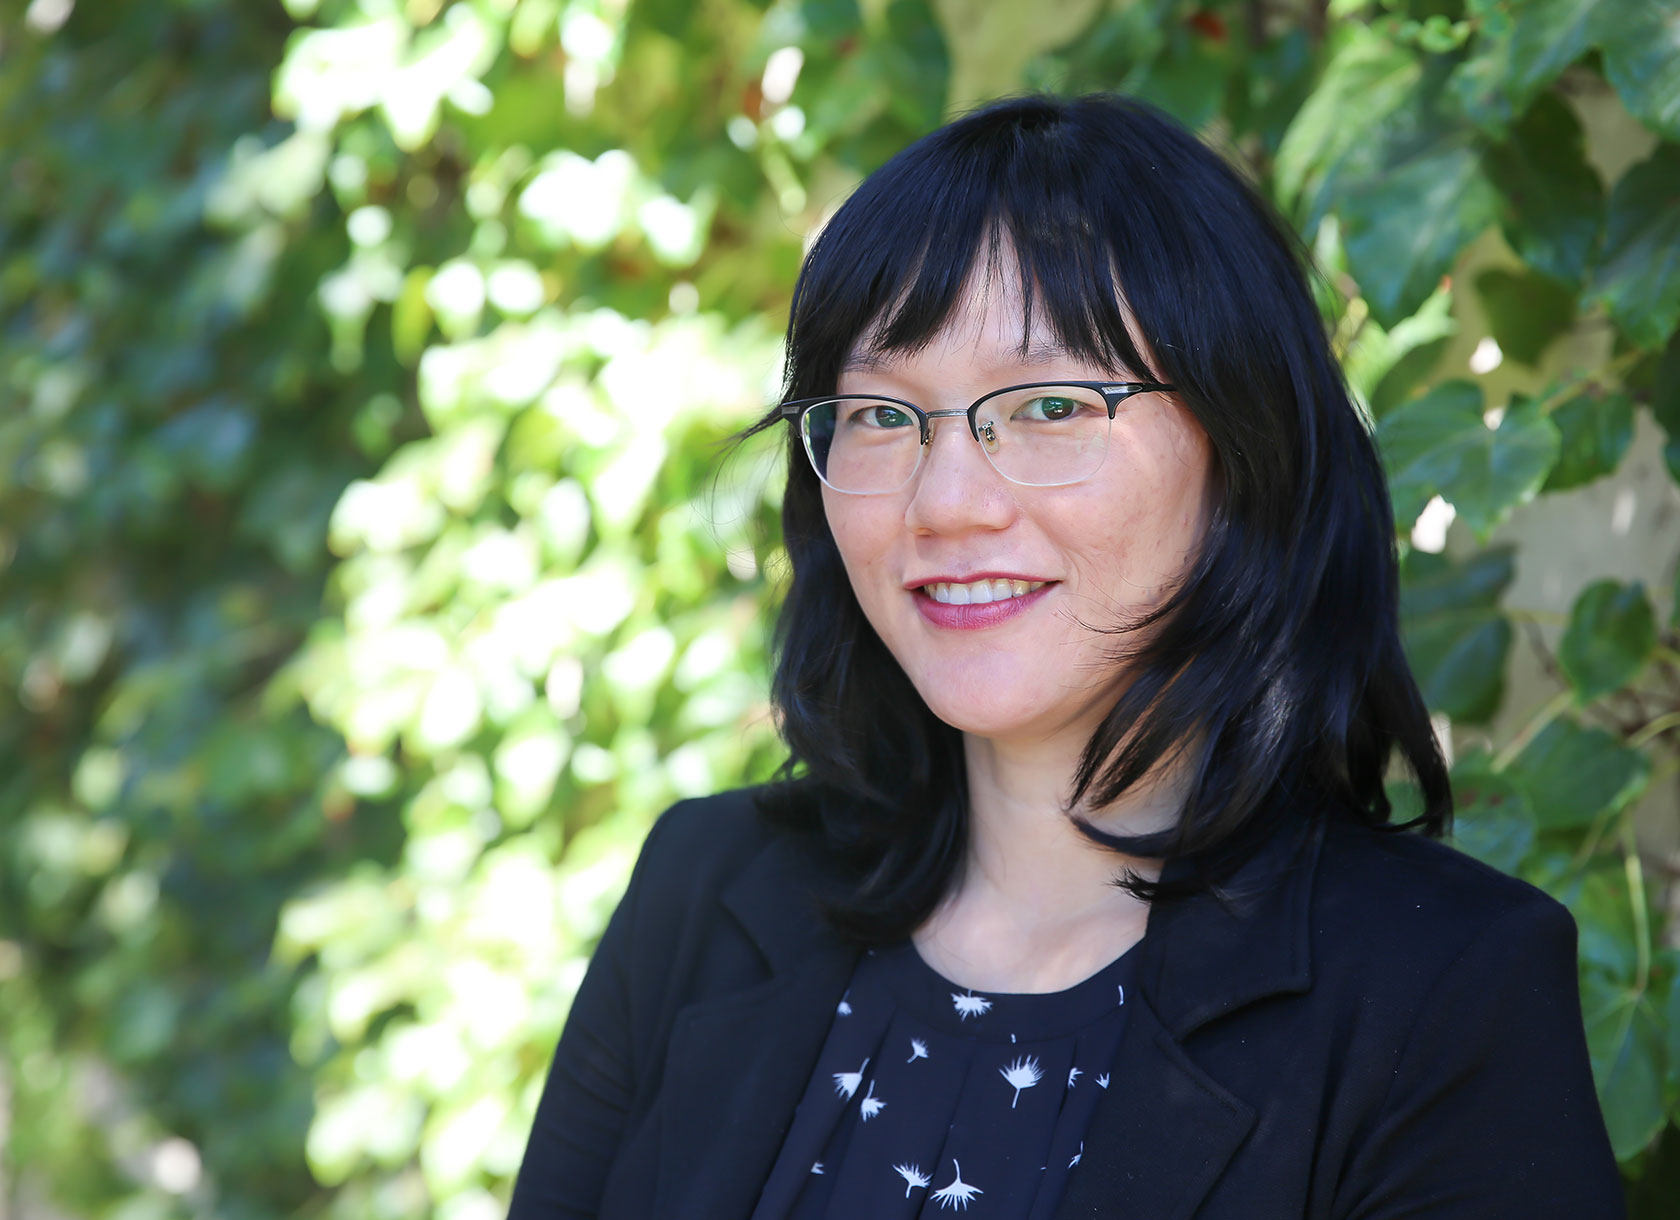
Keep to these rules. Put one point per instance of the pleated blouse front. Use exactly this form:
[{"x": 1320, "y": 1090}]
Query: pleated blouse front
[{"x": 930, "y": 1098}]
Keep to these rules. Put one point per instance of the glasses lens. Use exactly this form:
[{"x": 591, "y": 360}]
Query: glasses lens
[
  {"x": 1045, "y": 436},
  {"x": 862, "y": 444}
]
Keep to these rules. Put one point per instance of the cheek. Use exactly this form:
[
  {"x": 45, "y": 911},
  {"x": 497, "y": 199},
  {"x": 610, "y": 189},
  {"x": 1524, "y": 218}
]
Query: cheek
[
  {"x": 1154, "y": 518},
  {"x": 863, "y": 529}
]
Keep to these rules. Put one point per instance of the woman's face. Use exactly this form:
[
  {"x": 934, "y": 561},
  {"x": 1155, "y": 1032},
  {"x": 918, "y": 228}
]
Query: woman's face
[{"x": 1105, "y": 549}]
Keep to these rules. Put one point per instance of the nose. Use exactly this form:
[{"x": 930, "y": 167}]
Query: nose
[{"x": 956, "y": 488}]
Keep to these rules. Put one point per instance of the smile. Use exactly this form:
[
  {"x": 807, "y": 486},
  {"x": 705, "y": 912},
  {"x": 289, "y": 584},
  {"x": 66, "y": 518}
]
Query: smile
[{"x": 980, "y": 592}]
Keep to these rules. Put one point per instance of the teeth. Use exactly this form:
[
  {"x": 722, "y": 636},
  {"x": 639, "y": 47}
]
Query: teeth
[{"x": 981, "y": 591}]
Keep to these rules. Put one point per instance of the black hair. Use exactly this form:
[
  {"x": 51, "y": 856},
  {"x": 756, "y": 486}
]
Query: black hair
[{"x": 1279, "y": 652}]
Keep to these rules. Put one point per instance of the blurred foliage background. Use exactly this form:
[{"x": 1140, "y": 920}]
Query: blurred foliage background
[{"x": 371, "y": 574}]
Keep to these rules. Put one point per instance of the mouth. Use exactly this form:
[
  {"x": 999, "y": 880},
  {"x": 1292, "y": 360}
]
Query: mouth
[{"x": 979, "y": 592}]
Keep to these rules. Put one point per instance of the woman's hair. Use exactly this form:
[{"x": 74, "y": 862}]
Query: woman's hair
[{"x": 1274, "y": 673}]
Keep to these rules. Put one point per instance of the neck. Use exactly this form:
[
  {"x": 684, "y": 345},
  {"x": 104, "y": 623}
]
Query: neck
[{"x": 1035, "y": 907}]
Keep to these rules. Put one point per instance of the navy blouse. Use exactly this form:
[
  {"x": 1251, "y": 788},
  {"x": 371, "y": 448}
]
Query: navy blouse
[{"x": 930, "y": 1097}]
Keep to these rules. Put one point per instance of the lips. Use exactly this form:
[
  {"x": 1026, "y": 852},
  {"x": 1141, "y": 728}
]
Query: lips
[{"x": 955, "y": 604}]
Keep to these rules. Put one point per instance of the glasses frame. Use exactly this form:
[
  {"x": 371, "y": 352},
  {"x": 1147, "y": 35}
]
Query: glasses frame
[{"x": 1113, "y": 392}]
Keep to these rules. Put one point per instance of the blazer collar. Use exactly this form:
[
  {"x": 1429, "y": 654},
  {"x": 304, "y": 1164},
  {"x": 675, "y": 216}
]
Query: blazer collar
[
  {"x": 739, "y": 1063},
  {"x": 1203, "y": 957},
  {"x": 777, "y": 900},
  {"x": 1215, "y": 952}
]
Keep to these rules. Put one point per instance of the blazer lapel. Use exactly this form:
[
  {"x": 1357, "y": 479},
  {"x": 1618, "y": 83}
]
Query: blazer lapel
[
  {"x": 1165, "y": 1130},
  {"x": 739, "y": 1064},
  {"x": 1162, "y": 1135}
]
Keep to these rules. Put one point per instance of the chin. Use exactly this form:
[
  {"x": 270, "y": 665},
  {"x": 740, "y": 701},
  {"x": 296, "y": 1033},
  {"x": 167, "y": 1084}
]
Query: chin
[{"x": 983, "y": 717}]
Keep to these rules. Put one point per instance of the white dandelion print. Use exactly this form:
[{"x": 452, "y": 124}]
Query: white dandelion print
[
  {"x": 1102, "y": 1081},
  {"x": 959, "y": 1194},
  {"x": 871, "y": 1105},
  {"x": 845, "y": 1006},
  {"x": 1073, "y": 1075},
  {"x": 1077, "y": 1155},
  {"x": 816, "y": 1167},
  {"x": 918, "y": 1050},
  {"x": 1122, "y": 988},
  {"x": 971, "y": 1005},
  {"x": 1023, "y": 1074},
  {"x": 846, "y": 1083},
  {"x": 913, "y": 1177}
]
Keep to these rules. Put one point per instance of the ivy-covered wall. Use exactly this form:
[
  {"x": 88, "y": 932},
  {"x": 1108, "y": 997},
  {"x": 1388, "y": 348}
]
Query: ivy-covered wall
[{"x": 372, "y": 571}]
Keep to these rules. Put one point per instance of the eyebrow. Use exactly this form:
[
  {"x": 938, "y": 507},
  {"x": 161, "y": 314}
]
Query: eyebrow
[{"x": 1039, "y": 353}]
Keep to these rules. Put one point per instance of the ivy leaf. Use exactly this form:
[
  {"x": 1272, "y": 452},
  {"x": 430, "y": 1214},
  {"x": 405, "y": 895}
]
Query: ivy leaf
[
  {"x": 1368, "y": 79},
  {"x": 1551, "y": 202},
  {"x": 1439, "y": 444},
  {"x": 1625, "y": 1043},
  {"x": 1612, "y": 632},
  {"x": 1671, "y": 1018},
  {"x": 1277, "y": 79},
  {"x": 918, "y": 62},
  {"x": 1604, "y": 917},
  {"x": 1518, "y": 54},
  {"x": 1572, "y": 774},
  {"x": 1596, "y": 433},
  {"x": 1395, "y": 360},
  {"x": 1665, "y": 403},
  {"x": 1638, "y": 276},
  {"x": 1405, "y": 222},
  {"x": 1188, "y": 79},
  {"x": 1525, "y": 311},
  {"x": 1454, "y": 634},
  {"x": 1641, "y": 44},
  {"x": 1492, "y": 820}
]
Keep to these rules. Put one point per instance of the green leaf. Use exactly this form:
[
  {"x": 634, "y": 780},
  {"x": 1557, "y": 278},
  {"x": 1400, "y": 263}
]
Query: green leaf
[
  {"x": 1596, "y": 431},
  {"x": 830, "y": 19},
  {"x": 1638, "y": 276},
  {"x": 1440, "y": 445},
  {"x": 1455, "y": 637},
  {"x": 1625, "y": 1043},
  {"x": 1491, "y": 818},
  {"x": 1367, "y": 80},
  {"x": 1572, "y": 774},
  {"x": 1612, "y": 632},
  {"x": 1551, "y": 202},
  {"x": 1525, "y": 311},
  {"x": 1188, "y": 80},
  {"x": 1641, "y": 44},
  {"x": 1518, "y": 53},
  {"x": 1404, "y": 223},
  {"x": 1604, "y": 920},
  {"x": 918, "y": 64},
  {"x": 1665, "y": 389},
  {"x": 1671, "y": 1020},
  {"x": 1278, "y": 79},
  {"x": 1378, "y": 353}
]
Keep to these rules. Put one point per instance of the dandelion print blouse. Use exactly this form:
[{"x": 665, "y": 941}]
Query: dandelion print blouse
[{"x": 929, "y": 1098}]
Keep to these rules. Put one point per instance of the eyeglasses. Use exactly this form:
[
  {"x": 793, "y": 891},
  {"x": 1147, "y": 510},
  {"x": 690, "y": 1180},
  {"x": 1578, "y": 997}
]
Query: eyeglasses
[{"x": 1041, "y": 434}]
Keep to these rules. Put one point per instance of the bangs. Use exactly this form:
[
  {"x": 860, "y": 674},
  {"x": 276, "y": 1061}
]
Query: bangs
[{"x": 894, "y": 265}]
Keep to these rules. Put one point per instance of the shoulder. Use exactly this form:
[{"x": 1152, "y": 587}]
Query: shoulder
[
  {"x": 698, "y": 844},
  {"x": 1405, "y": 880},
  {"x": 1395, "y": 910},
  {"x": 725, "y": 851}
]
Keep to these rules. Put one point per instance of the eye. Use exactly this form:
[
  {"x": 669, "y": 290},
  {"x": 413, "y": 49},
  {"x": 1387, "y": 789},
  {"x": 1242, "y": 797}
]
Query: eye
[
  {"x": 1048, "y": 408},
  {"x": 879, "y": 415}
]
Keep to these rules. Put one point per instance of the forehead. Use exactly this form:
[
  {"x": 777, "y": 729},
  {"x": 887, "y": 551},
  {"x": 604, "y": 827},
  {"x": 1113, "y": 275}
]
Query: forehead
[{"x": 992, "y": 325}]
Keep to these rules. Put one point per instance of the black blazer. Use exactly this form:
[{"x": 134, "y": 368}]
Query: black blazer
[{"x": 1376, "y": 1026}]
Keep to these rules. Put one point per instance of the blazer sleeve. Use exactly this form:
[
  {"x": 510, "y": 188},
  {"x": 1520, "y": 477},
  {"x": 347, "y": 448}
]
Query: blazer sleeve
[
  {"x": 1492, "y": 1110},
  {"x": 586, "y": 1099}
]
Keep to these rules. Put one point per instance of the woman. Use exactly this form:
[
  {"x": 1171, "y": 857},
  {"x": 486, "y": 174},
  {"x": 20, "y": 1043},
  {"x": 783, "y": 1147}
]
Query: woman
[{"x": 1087, "y": 900}]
